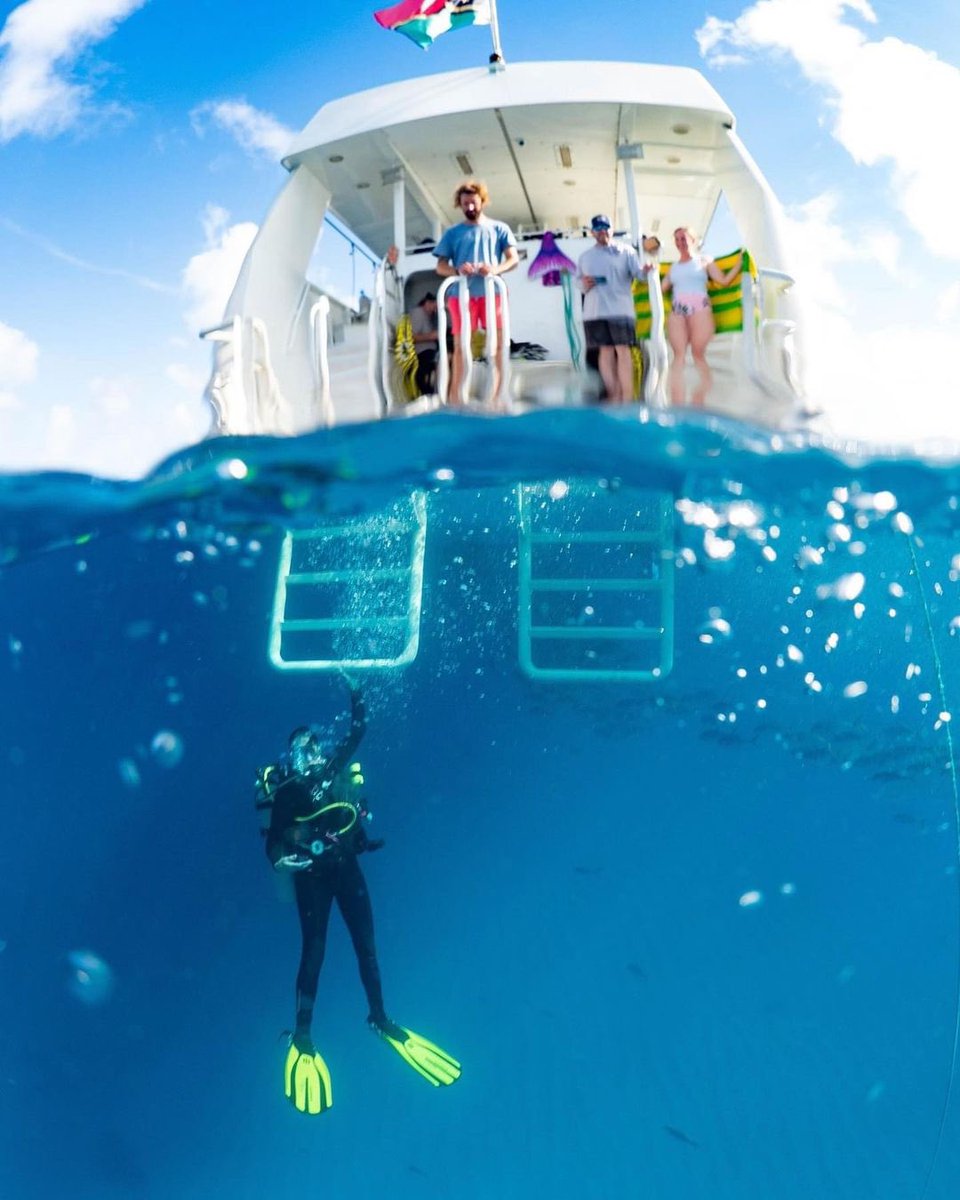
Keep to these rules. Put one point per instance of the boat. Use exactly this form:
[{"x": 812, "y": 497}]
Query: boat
[
  {"x": 652, "y": 146},
  {"x": 556, "y": 142}
]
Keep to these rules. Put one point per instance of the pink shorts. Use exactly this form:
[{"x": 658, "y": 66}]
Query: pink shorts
[
  {"x": 686, "y": 304},
  {"x": 478, "y": 313}
]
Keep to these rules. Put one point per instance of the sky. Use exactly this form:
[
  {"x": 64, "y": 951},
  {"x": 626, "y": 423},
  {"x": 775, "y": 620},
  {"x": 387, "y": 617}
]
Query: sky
[{"x": 140, "y": 144}]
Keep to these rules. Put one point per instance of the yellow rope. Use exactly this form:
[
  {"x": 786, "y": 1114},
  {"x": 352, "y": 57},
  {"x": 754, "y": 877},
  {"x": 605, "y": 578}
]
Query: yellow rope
[
  {"x": 405, "y": 354},
  {"x": 637, "y": 372}
]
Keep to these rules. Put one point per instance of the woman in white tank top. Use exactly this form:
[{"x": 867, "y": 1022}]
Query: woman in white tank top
[{"x": 690, "y": 322}]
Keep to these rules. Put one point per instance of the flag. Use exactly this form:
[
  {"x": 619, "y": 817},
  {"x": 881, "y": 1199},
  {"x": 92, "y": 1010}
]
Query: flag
[{"x": 424, "y": 20}]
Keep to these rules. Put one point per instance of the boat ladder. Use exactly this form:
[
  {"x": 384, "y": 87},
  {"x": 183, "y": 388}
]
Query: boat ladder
[
  {"x": 349, "y": 591},
  {"x": 596, "y": 583}
]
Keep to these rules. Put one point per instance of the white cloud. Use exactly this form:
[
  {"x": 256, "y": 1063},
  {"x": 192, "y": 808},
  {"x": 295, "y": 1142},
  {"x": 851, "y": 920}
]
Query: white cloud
[
  {"x": 190, "y": 379},
  {"x": 209, "y": 276},
  {"x": 18, "y": 357},
  {"x": 112, "y": 397},
  {"x": 887, "y": 98},
  {"x": 62, "y": 435},
  {"x": 885, "y": 382},
  {"x": 39, "y": 44},
  {"x": 83, "y": 264},
  {"x": 948, "y": 304},
  {"x": 257, "y": 132}
]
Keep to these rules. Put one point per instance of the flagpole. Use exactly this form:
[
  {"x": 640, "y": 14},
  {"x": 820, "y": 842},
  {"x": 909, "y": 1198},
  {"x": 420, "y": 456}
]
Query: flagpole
[{"x": 496, "y": 58}]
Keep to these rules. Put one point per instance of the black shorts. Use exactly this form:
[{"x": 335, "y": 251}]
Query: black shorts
[{"x": 613, "y": 331}]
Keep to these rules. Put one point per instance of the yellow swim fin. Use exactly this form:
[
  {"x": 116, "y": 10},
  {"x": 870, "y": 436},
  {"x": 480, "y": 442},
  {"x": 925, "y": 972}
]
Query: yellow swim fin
[
  {"x": 435, "y": 1065},
  {"x": 306, "y": 1080}
]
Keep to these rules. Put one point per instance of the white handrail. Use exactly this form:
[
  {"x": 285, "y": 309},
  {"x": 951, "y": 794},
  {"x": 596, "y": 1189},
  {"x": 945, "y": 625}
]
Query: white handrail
[
  {"x": 466, "y": 358},
  {"x": 320, "y": 361},
  {"x": 755, "y": 299},
  {"x": 265, "y": 380},
  {"x": 750, "y": 328},
  {"x": 772, "y": 273},
  {"x": 655, "y": 385},
  {"x": 383, "y": 329},
  {"x": 373, "y": 330},
  {"x": 227, "y": 373},
  {"x": 498, "y": 341}
]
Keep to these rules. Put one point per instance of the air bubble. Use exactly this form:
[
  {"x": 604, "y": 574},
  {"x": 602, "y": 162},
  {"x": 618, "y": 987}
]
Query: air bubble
[
  {"x": 129, "y": 772},
  {"x": 902, "y": 523},
  {"x": 233, "y": 468},
  {"x": 847, "y": 587},
  {"x": 167, "y": 748},
  {"x": 716, "y": 548},
  {"x": 715, "y": 630},
  {"x": 90, "y": 979},
  {"x": 808, "y": 556}
]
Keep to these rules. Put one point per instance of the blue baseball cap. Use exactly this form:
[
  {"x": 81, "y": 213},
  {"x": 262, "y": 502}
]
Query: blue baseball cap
[{"x": 600, "y": 222}]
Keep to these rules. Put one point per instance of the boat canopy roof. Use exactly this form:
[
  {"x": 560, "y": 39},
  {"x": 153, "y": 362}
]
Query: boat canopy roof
[{"x": 551, "y": 140}]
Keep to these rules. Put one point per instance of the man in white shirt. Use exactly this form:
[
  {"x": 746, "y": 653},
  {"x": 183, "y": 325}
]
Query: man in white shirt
[{"x": 605, "y": 275}]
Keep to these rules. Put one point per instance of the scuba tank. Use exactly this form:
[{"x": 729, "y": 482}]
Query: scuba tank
[
  {"x": 264, "y": 791},
  {"x": 265, "y": 785}
]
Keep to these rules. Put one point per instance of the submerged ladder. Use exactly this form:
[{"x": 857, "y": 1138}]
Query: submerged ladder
[
  {"x": 349, "y": 591},
  {"x": 596, "y": 583}
]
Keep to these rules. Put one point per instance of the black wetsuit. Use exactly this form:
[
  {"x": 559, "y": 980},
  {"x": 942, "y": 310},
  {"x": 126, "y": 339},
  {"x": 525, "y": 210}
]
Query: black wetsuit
[{"x": 333, "y": 875}]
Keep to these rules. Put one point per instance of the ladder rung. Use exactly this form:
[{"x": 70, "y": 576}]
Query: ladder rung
[
  {"x": 596, "y": 585},
  {"x": 346, "y": 576},
  {"x": 571, "y": 537},
  {"x": 607, "y": 633},
  {"x": 338, "y": 531},
  {"x": 306, "y": 626}
]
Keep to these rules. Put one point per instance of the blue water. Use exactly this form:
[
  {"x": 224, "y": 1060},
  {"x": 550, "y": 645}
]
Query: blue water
[{"x": 695, "y": 937}]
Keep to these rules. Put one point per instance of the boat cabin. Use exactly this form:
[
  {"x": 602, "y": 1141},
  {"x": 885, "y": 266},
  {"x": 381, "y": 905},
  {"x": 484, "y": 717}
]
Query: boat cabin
[{"x": 654, "y": 147}]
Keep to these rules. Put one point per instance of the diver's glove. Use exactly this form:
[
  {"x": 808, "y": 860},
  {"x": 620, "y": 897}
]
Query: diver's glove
[
  {"x": 292, "y": 862},
  {"x": 365, "y": 844}
]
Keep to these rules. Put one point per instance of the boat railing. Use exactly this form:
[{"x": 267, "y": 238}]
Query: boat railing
[
  {"x": 497, "y": 335},
  {"x": 225, "y": 389},
  {"x": 244, "y": 391},
  {"x": 320, "y": 360},
  {"x": 385, "y": 310},
  {"x": 763, "y": 324},
  {"x": 784, "y": 329},
  {"x": 376, "y": 330},
  {"x": 443, "y": 366},
  {"x": 266, "y": 389},
  {"x": 655, "y": 384}
]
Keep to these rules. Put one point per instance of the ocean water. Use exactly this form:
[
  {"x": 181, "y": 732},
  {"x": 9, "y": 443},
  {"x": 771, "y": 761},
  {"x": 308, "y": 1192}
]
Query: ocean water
[{"x": 694, "y": 936}]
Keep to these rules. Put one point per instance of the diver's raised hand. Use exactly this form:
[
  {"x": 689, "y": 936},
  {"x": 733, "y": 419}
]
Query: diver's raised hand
[{"x": 349, "y": 680}]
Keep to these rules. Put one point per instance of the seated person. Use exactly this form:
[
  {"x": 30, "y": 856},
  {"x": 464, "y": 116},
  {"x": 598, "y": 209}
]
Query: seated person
[{"x": 423, "y": 323}]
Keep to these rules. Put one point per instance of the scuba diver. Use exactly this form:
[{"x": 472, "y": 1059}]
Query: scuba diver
[{"x": 315, "y": 834}]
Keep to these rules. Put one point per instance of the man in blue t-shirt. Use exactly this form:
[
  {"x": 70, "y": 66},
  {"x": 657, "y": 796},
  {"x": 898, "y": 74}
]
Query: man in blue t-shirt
[{"x": 476, "y": 248}]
